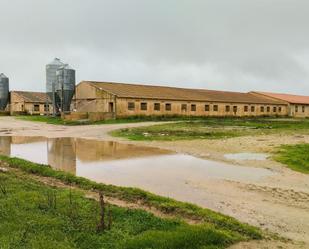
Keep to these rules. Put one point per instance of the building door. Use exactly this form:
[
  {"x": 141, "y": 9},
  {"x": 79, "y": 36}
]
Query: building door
[{"x": 111, "y": 107}]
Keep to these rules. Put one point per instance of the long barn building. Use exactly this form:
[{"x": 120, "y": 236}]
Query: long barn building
[{"x": 124, "y": 100}]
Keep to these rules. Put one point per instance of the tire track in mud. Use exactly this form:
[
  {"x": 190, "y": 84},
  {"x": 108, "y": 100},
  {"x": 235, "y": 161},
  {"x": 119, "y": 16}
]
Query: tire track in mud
[{"x": 288, "y": 197}]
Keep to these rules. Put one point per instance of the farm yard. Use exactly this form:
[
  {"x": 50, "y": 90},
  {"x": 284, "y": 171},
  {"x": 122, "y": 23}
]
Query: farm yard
[
  {"x": 154, "y": 124},
  {"x": 278, "y": 146}
]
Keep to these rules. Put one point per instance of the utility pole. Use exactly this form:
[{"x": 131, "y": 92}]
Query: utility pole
[
  {"x": 115, "y": 110},
  {"x": 54, "y": 99},
  {"x": 46, "y": 109},
  {"x": 62, "y": 96}
]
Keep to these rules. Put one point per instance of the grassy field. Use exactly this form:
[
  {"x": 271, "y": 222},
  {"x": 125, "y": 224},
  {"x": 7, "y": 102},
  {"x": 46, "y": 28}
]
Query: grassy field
[
  {"x": 59, "y": 121},
  {"x": 296, "y": 157},
  {"x": 215, "y": 128},
  {"x": 28, "y": 220},
  {"x": 34, "y": 215},
  {"x": 132, "y": 119},
  {"x": 45, "y": 119}
]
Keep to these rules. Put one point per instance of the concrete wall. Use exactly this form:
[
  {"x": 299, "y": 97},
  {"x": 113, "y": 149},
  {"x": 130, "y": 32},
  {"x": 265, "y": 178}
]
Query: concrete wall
[
  {"x": 92, "y": 99},
  {"x": 4, "y": 113},
  {"x": 200, "y": 110},
  {"x": 74, "y": 116},
  {"x": 92, "y": 116},
  {"x": 299, "y": 111}
]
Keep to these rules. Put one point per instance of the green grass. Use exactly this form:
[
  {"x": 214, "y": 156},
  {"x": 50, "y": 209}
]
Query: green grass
[
  {"x": 214, "y": 128},
  {"x": 134, "y": 195},
  {"x": 49, "y": 120},
  {"x": 220, "y": 121},
  {"x": 4, "y": 113},
  {"x": 131, "y": 119},
  {"x": 296, "y": 157},
  {"x": 30, "y": 221}
]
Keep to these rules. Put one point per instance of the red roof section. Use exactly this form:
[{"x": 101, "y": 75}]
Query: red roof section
[{"x": 293, "y": 99}]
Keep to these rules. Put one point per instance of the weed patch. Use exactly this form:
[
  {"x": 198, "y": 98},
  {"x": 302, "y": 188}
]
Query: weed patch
[
  {"x": 296, "y": 157},
  {"x": 213, "y": 128}
]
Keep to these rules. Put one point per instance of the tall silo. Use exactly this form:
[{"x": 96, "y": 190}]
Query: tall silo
[
  {"x": 65, "y": 86},
  {"x": 51, "y": 81},
  {"x": 4, "y": 91}
]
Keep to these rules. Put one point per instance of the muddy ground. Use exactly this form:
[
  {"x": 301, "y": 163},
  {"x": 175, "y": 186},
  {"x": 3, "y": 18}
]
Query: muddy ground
[{"x": 279, "y": 203}]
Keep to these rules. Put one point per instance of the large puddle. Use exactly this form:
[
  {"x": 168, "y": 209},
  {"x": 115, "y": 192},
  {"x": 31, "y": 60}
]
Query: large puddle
[
  {"x": 152, "y": 169},
  {"x": 247, "y": 156}
]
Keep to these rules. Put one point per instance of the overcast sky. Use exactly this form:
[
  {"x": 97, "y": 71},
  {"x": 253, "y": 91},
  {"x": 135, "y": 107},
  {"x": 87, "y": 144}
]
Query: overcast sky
[{"x": 238, "y": 45}]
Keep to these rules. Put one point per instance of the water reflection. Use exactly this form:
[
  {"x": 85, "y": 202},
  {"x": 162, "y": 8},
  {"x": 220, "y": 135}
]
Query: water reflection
[
  {"x": 65, "y": 153},
  {"x": 61, "y": 154},
  {"x": 182, "y": 177},
  {"x": 93, "y": 151},
  {"x": 26, "y": 140}
]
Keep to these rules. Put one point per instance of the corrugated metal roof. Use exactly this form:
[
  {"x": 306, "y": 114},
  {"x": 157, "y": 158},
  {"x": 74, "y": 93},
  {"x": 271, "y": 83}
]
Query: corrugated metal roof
[
  {"x": 125, "y": 90},
  {"x": 33, "y": 97},
  {"x": 56, "y": 61},
  {"x": 293, "y": 99},
  {"x": 66, "y": 66}
]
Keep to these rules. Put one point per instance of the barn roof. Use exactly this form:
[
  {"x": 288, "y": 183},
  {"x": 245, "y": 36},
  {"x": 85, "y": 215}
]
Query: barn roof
[
  {"x": 33, "y": 97},
  {"x": 293, "y": 99},
  {"x": 124, "y": 90}
]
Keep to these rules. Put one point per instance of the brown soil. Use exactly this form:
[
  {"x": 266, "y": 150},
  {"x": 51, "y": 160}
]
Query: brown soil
[
  {"x": 279, "y": 203},
  {"x": 269, "y": 244}
]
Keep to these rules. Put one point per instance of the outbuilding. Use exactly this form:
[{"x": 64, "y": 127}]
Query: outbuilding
[{"x": 34, "y": 103}]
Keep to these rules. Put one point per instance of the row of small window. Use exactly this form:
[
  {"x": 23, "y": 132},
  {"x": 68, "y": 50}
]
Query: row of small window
[
  {"x": 144, "y": 106},
  {"x": 215, "y": 108},
  {"x": 252, "y": 108},
  {"x": 302, "y": 108},
  {"x": 36, "y": 108}
]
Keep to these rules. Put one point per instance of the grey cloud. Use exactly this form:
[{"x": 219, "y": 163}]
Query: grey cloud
[{"x": 236, "y": 45}]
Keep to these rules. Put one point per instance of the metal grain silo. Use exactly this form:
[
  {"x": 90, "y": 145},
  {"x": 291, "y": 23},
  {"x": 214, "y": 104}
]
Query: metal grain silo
[
  {"x": 51, "y": 80},
  {"x": 4, "y": 91},
  {"x": 65, "y": 86}
]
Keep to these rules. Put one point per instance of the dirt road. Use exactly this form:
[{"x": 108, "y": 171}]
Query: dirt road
[{"x": 279, "y": 203}]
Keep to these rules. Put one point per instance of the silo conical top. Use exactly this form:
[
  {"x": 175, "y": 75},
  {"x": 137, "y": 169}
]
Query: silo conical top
[
  {"x": 57, "y": 62},
  {"x": 2, "y": 75},
  {"x": 68, "y": 67}
]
